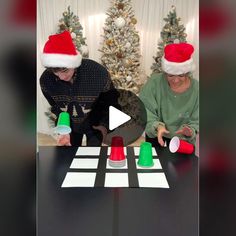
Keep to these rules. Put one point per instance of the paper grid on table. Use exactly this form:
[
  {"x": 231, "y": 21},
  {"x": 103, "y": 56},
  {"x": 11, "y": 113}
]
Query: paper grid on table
[
  {"x": 109, "y": 151},
  {"x": 137, "y": 150},
  {"x": 74, "y": 179},
  {"x": 84, "y": 163},
  {"x": 88, "y": 151},
  {"x": 116, "y": 180},
  {"x": 152, "y": 180},
  {"x": 157, "y": 165},
  {"x": 111, "y": 167}
]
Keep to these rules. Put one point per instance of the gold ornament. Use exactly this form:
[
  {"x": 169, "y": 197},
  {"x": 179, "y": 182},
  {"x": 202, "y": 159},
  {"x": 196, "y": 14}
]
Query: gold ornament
[
  {"x": 65, "y": 13},
  {"x": 133, "y": 21},
  {"x": 120, "y": 6},
  {"x": 70, "y": 29},
  {"x": 109, "y": 42}
]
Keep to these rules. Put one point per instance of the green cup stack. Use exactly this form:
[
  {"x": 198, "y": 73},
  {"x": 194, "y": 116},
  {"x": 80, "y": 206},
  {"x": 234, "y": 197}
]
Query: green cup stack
[
  {"x": 63, "y": 124},
  {"x": 145, "y": 155}
]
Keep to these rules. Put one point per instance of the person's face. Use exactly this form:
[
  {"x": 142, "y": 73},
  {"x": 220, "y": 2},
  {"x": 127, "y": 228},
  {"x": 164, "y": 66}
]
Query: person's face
[
  {"x": 176, "y": 81},
  {"x": 65, "y": 74}
]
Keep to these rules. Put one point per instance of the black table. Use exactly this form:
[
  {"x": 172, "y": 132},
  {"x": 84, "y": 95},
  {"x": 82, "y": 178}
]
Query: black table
[{"x": 116, "y": 211}]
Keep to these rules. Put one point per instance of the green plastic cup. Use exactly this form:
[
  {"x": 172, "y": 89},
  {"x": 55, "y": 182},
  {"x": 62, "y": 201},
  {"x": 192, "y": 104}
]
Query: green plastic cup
[
  {"x": 63, "y": 124},
  {"x": 145, "y": 155}
]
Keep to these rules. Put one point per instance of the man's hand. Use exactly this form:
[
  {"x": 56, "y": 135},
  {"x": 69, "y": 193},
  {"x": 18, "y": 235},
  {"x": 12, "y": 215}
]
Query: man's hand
[
  {"x": 161, "y": 130},
  {"x": 63, "y": 140},
  {"x": 186, "y": 131},
  {"x": 103, "y": 130}
]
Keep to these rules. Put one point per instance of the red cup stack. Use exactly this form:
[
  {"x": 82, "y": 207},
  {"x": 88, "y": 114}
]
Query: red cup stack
[{"x": 117, "y": 156}]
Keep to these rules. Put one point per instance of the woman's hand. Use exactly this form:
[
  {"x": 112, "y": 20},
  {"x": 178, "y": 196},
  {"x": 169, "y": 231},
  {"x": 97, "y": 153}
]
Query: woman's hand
[
  {"x": 186, "y": 131},
  {"x": 161, "y": 130}
]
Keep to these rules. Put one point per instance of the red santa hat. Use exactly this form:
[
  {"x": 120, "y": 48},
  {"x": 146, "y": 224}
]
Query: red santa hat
[
  {"x": 177, "y": 58},
  {"x": 59, "y": 51}
]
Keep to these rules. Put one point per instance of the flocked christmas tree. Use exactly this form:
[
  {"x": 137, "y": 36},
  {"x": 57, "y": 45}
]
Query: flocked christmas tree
[
  {"x": 172, "y": 32},
  {"x": 71, "y": 23},
  {"x": 121, "y": 46}
]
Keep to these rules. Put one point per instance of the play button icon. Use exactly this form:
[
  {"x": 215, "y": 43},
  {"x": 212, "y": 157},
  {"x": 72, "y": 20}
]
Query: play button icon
[
  {"x": 122, "y": 113},
  {"x": 117, "y": 118}
]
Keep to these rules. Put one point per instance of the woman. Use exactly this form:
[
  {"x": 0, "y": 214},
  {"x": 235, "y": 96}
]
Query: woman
[{"x": 171, "y": 98}]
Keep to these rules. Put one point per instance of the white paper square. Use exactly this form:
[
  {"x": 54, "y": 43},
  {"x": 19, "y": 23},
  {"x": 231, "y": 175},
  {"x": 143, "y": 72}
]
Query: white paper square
[
  {"x": 152, "y": 180},
  {"x": 74, "y": 179},
  {"x": 157, "y": 165},
  {"x": 88, "y": 151},
  {"x": 110, "y": 167},
  {"x": 84, "y": 163},
  {"x": 137, "y": 150},
  {"x": 116, "y": 180},
  {"x": 109, "y": 151}
]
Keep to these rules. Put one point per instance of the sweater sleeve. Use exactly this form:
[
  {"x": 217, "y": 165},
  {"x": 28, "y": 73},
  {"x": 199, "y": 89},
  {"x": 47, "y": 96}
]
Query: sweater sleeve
[
  {"x": 193, "y": 122},
  {"x": 149, "y": 98},
  {"x": 55, "y": 109}
]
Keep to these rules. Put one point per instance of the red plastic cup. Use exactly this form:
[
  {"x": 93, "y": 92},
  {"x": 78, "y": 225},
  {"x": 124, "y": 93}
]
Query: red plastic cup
[
  {"x": 117, "y": 149},
  {"x": 180, "y": 146},
  {"x": 117, "y": 141}
]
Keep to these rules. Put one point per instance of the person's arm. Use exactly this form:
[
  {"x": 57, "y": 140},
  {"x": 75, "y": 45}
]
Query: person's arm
[
  {"x": 191, "y": 128},
  {"x": 62, "y": 140},
  {"x": 148, "y": 97},
  {"x": 55, "y": 109}
]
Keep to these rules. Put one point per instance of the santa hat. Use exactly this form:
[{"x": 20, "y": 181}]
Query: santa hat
[
  {"x": 59, "y": 51},
  {"x": 177, "y": 58}
]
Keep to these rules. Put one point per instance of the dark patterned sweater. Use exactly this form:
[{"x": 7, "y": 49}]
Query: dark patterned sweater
[{"x": 76, "y": 98}]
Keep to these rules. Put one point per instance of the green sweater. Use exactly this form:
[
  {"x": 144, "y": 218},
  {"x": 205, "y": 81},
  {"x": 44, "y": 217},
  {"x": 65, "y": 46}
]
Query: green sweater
[{"x": 173, "y": 109}]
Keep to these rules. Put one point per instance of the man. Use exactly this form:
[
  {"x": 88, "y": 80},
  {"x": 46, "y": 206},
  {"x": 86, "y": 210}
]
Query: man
[
  {"x": 171, "y": 97},
  {"x": 73, "y": 84}
]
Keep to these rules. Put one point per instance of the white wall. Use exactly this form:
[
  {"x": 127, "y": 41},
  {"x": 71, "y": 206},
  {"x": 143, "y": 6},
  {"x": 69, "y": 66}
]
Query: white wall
[{"x": 149, "y": 14}]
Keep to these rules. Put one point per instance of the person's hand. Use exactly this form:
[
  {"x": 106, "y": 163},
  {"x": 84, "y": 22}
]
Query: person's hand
[
  {"x": 103, "y": 130},
  {"x": 63, "y": 140},
  {"x": 161, "y": 130},
  {"x": 186, "y": 131}
]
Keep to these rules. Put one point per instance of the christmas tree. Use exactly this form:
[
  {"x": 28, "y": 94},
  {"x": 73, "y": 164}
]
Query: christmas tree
[
  {"x": 71, "y": 23},
  {"x": 121, "y": 46},
  {"x": 172, "y": 32}
]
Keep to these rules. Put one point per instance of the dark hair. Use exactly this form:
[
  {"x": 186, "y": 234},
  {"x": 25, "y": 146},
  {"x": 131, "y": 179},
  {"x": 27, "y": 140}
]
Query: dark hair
[{"x": 56, "y": 69}]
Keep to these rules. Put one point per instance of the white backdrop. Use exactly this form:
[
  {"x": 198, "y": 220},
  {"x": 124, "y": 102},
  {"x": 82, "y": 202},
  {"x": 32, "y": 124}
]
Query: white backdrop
[{"x": 149, "y": 14}]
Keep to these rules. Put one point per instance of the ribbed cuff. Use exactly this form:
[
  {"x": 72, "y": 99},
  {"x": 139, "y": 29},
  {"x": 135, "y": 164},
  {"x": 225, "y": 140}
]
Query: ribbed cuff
[
  {"x": 155, "y": 126},
  {"x": 193, "y": 132}
]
